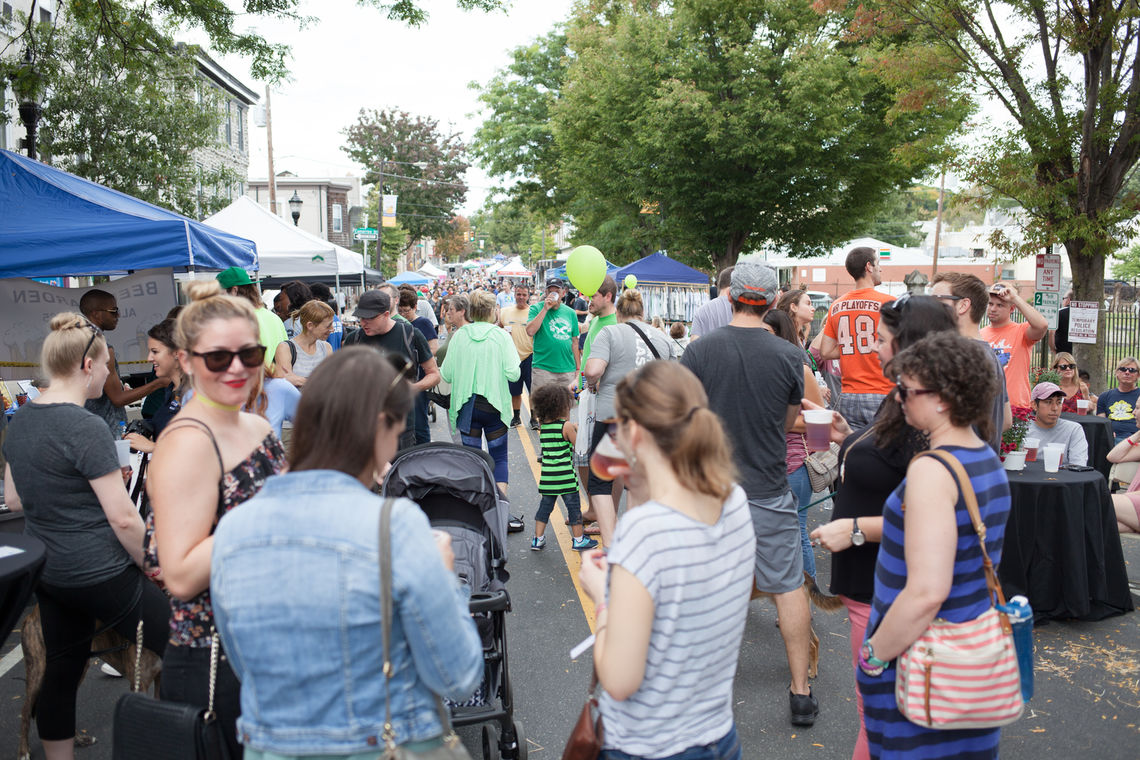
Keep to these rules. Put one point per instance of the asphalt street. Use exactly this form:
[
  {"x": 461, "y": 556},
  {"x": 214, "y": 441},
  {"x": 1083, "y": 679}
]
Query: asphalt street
[{"x": 1087, "y": 689}]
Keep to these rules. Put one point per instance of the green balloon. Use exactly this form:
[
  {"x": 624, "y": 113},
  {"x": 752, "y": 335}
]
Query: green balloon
[
  {"x": 630, "y": 281},
  {"x": 586, "y": 268}
]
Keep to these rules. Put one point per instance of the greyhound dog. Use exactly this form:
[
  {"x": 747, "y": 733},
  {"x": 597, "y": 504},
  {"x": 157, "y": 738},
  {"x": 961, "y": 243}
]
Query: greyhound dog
[
  {"x": 820, "y": 600},
  {"x": 115, "y": 650}
]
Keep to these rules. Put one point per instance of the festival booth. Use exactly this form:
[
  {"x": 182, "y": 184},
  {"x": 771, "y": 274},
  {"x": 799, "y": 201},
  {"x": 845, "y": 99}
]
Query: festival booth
[
  {"x": 668, "y": 288},
  {"x": 514, "y": 269},
  {"x": 410, "y": 278},
  {"x": 57, "y": 225},
  {"x": 432, "y": 271}
]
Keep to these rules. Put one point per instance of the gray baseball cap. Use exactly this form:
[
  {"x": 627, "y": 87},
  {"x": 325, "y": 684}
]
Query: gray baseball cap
[{"x": 754, "y": 284}]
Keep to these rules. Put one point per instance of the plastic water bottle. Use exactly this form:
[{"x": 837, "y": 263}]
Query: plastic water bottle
[
  {"x": 122, "y": 429},
  {"x": 819, "y": 379},
  {"x": 1021, "y": 620}
]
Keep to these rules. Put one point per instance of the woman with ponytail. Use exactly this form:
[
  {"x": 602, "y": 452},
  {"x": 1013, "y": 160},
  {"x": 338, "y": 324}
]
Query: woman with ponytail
[
  {"x": 63, "y": 473},
  {"x": 675, "y": 584},
  {"x": 211, "y": 458}
]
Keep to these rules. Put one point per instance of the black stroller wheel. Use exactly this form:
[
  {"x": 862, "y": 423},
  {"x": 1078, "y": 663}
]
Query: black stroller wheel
[
  {"x": 490, "y": 743},
  {"x": 520, "y": 737}
]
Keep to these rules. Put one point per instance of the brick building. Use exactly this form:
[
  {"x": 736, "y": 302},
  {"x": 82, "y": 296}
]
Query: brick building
[{"x": 325, "y": 203}]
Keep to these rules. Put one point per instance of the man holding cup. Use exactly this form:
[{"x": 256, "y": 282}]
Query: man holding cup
[
  {"x": 554, "y": 327},
  {"x": 1048, "y": 427}
]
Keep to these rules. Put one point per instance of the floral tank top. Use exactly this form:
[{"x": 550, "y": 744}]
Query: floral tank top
[{"x": 192, "y": 621}]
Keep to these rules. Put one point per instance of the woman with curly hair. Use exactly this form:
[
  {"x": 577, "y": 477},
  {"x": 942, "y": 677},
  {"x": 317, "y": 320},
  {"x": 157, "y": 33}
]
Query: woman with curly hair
[
  {"x": 874, "y": 460},
  {"x": 929, "y": 564}
]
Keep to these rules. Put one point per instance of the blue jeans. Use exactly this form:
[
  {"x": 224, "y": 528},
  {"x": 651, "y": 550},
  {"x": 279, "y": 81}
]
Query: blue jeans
[
  {"x": 573, "y": 507},
  {"x": 423, "y": 432},
  {"x": 489, "y": 424},
  {"x": 727, "y": 748},
  {"x": 281, "y": 402},
  {"x": 800, "y": 484}
]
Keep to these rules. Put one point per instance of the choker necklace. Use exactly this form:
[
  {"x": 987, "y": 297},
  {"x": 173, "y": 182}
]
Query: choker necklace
[{"x": 210, "y": 402}]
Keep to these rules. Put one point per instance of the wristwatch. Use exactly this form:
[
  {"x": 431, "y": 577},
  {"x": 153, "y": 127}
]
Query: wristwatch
[
  {"x": 858, "y": 537},
  {"x": 868, "y": 662}
]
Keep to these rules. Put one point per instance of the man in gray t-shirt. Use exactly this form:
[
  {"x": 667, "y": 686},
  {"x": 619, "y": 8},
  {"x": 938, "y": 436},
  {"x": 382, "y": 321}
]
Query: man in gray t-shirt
[{"x": 717, "y": 312}]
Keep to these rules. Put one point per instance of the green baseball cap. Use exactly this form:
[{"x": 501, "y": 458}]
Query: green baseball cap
[{"x": 232, "y": 277}]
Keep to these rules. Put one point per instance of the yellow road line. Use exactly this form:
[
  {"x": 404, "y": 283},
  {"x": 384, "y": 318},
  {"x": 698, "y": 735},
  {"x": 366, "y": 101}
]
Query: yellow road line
[{"x": 558, "y": 525}]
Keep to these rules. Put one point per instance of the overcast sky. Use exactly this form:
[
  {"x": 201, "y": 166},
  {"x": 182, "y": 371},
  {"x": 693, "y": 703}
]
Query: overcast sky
[{"x": 353, "y": 58}]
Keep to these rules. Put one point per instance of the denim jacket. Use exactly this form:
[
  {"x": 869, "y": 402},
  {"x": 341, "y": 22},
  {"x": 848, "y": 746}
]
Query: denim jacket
[{"x": 296, "y": 592}]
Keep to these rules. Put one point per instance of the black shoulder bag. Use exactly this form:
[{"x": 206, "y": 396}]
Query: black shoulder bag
[{"x": 648, "y": 343}]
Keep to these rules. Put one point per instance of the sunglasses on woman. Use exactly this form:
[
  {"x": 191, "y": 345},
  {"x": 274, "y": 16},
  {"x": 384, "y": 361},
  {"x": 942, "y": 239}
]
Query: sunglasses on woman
[
  {"x": 95, "y": 333},
  {"x": 904, "y": 392},
  {"x": 221, "y": 359},
  {"x": 1064, "y": 366}
]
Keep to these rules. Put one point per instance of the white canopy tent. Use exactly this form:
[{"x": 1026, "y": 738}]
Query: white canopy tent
[
  {"x": 514, "y": 268},
  {"x": 285, "y": 250},
  {"x": 431, "y": 271}
]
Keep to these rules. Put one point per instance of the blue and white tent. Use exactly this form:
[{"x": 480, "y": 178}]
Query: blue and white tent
[{"x": 54, "y": 223}]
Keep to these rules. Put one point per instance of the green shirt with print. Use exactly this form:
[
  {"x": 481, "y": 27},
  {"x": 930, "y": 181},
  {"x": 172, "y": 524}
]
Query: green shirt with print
[{"x": 553, "y": 343}]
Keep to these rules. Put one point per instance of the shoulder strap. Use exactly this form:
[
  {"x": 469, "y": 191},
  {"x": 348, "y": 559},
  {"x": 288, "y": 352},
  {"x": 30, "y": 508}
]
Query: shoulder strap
[
  {"x": 967, "y": 489},
  {"x": 200, "y": 425},
  {"x": 292, "y": 353},
  {"x": 648, "y": 343},
  {"x": 385, "y": 562}
]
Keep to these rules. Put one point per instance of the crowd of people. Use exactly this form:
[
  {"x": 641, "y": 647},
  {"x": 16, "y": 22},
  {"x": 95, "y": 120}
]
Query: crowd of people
[{"x": 708, "y": 427}]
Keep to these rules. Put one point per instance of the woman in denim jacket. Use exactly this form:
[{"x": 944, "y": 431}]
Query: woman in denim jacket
[{"x": 296, "y": 593}]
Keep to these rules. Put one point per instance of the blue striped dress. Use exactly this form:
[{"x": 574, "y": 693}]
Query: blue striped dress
[{"x": 889, "y": 734}]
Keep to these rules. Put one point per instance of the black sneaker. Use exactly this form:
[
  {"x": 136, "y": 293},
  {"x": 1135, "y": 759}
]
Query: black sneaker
[
  {"x": 533, "y": 424},
  {"x": 804, "y": 708},
  {"x": 515, "y": 525},
  {"x": 516, "y": 420}
]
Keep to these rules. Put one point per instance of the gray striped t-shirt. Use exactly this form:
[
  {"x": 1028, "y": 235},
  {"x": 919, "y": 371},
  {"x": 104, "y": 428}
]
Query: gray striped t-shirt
[{"x": 700, "y": 578}]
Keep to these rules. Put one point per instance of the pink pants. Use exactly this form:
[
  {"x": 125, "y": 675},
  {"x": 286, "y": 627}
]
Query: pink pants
[{"x": 858, "y": 613}]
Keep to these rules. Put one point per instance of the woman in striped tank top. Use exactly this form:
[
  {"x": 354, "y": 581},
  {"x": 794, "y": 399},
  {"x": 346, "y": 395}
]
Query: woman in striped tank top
[
  {"x": 930, "y": 561},
  {"x": 551, "y": 404}
]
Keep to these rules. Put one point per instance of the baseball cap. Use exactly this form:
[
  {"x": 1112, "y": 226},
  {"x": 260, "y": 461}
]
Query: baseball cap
[
  {"x": 232, "y": 277},
  {"x": 1042, "y": 391},
  {"x": 372, "y": 304},
  {"x": 754, "y": 284},
  {"x": 555, "y": 282}
]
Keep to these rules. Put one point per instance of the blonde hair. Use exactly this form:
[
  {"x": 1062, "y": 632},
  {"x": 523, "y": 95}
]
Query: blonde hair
[
  {"x": 1066, "y": 357},
  {"x": 669, "y": 401},
  {"x": 313, "y": 312},
  {"x": 629, "y": 305},
  {"x": 207, "y": 304},
  {"x": 63, "y": 349},
  {"x": 482, "y": 306}
]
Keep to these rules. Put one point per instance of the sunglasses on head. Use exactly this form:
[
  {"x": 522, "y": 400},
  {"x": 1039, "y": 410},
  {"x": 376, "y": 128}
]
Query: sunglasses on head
[
  {"x": 95, "y": 333},
  {"x": 1064, "y": 366},
  {"x": 904, "y": 392},
  {"x": 221, "y": 359},
  {"x": 401, "y": 364}
]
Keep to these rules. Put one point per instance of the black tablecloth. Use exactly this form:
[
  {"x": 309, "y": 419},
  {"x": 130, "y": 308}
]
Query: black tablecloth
[
  {"x": 1062, "y": 549},
  {"x": 18, "y": 576},
  {"x": 1098, "y": 432}
]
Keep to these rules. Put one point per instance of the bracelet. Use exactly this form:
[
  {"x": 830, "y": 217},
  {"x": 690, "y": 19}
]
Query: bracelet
[{"x": 1131, "y": 442}]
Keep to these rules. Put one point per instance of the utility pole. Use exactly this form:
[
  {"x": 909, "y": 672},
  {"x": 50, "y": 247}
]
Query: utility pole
[
  {"x": 269, "y": 140},
  {"x": 380, "y": 218},
  {"x": 938, "y": 225}
]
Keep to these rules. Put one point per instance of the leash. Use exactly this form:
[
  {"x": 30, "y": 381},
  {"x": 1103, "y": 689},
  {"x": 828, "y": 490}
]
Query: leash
[{"x": 823, "y": 498}]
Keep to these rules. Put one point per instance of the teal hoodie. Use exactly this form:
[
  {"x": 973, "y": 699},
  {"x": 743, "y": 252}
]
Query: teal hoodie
[{"x": 481, "y": 359}]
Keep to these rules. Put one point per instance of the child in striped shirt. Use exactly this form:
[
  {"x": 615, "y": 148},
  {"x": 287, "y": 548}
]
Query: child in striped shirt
[{"x": 551, "y": 404}]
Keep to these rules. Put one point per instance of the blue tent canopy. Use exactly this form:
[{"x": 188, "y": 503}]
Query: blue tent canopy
[
  {"x": 659, "y": 268},
  {"x": 54, "y": 223},
  {"x": 411, "y": 278}
]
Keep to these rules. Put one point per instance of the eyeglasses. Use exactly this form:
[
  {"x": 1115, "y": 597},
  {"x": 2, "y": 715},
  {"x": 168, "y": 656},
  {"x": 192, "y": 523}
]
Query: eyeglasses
[
  {"x": 1128, "y": 370},
  {"x": 948, "y": 297},
  {"x": 904, "y": 392},
  {"x": 95, "y": 333},
  {"x": 220, "y": 360},
  {"x": 1064, "y": 366}
]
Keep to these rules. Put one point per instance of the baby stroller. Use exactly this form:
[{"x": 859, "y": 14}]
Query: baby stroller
[{"x": 455, "y": 487}]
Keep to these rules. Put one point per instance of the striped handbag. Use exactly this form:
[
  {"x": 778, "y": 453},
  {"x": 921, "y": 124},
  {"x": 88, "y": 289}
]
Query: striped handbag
[{"x": 962, "y": 675}]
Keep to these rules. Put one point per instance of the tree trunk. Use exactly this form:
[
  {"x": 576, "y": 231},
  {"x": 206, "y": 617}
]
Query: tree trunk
[{"x": 1087, "y": 264}]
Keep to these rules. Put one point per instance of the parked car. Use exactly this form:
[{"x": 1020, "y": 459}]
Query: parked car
[{"x": 819, "y": 299}]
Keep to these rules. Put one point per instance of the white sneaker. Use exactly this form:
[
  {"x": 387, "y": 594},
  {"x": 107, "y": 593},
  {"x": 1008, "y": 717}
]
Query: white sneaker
[{"x": 109, "y": 671}]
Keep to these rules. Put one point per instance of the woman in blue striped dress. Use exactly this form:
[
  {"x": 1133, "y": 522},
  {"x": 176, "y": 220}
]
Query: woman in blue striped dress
[{"x": 930, "y": 560}]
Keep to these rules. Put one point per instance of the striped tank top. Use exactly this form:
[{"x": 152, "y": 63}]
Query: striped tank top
[
  {"x": 558, "y": 475},
  {"x": 889, "y": 734}
]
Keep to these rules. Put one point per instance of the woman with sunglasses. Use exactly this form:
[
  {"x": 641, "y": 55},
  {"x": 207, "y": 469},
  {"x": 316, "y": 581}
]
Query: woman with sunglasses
[
  {"x": 1075, "y": 389},
  {"x": 671, "y": 595},
  {"x": 63, "y": 473},
  {"x": 210, "y": 459},
  {"x": 873, "y": 461},
  {"x": 929, "y": 563}
]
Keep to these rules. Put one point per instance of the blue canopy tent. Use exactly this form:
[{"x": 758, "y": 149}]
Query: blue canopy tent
[
  {"x": 411, "y": 278},
  {"x": 659, "y": 268},
  {"x": 54, "y": 223}
]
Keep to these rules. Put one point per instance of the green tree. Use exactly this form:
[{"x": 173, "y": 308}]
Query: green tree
[
  {"x": 130, "y": 122},
  {"x": 1067, "y": 76},
  {"x": 1127, "y": 266},
  {"x": 507, "y": 226},
  {"x": 738, "y": 123},
  {"x": 454, "y": 244},
  {"x": 422, "y": 165},
  {"x": 897, "y": 219}
]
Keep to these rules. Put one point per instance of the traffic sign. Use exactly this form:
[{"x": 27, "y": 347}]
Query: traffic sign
[
  {"x": 1048, "y": 303},
  {"x": 1048, "y": 272},
  {"x": 365, "y": 233}
]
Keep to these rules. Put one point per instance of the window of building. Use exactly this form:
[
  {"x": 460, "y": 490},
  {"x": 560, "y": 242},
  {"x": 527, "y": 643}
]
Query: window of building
[
  {"x": 229, "y": 122},
  {"x": 45, "y": 16},
  {"x": 241, "y": 129},
  {"x": 6, "y": 11},
  {"x": 338, "y": 218}
]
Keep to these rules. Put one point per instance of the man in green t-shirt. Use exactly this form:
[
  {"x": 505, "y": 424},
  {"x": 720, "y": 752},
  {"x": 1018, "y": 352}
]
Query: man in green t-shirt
[
  {"x": 602, "y": 313},
  {"x": 554, "y": 327}
]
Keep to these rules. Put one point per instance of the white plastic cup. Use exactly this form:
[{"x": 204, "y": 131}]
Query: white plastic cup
[
  {"x": 1031, "y": 445},
  {"x": 1015, "y": 460},
  {"x": 1082, "y": 406},
  {"x": 123, "y": 449},
  {"x": 1059, "y": 447},
  {"x": 818, "y": 422},
  {"x": 1052, "y": 458}
]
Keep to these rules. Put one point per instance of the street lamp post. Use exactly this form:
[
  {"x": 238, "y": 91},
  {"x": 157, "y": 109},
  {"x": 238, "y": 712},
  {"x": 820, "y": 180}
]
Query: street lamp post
[
  {"x": 295, "y": 207},
  {"x": 24, "y": 85}
]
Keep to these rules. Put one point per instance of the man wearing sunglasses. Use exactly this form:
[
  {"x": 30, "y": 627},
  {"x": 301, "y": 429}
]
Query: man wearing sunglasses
[
  {"x": 1119, "y": 403},
  {"x": 102, "y": 310},
  {"x": 379, "y": 330}
]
